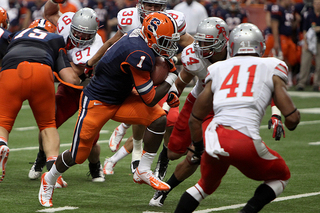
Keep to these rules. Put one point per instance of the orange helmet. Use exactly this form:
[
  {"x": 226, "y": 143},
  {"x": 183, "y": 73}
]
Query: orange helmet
[
  {"x": 160, "y": 32},
  {"x": 43, "y": 24},
  {"x": 4, "y": 18}
]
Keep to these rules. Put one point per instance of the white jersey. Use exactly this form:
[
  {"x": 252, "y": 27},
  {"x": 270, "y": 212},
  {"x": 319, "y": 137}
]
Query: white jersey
[
  {"x": 242, "y": 88},
  {"x": 128, "y": 19},
  {"x": 77, "y": 55},
  {"x": 195, "y": 66}
]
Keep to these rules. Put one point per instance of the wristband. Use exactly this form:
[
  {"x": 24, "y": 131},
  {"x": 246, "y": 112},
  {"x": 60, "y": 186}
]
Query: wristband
[
  {"x": 275, "y": 111},
  {"x": 174, "y": 89},
  {"x": 166, "y": 107},
  {"x": 291, "y": 113},
  {"x": 171, "y": 78}
]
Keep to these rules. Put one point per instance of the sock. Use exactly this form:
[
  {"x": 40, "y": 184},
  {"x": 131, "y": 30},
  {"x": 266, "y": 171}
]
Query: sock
[
  {"x": 123, "y": 127},
  {"x": 121, "y": 153},
  {"x": 173, "y": 182},
  {"x": 146, "y": 161},
  {"x": 262, "y": 196},
  {"x": 187, "y": 204},
  {"x": 50, "y": 161},
  {"x": 137, "y": 150},
  {"x": 52, "y": 176},
  {"x": 41, "y": 154},
  {"x": 164, "y": 153}
]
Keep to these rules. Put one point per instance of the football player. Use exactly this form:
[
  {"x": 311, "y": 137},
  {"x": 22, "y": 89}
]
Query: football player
[
  {"x": 128, "y": 19},
  {"x": 26, "y": 74},
  {"x": 110, "y": 95},
  {"x": 232, "y": 137},
  {"x": 79, "y": 31}
]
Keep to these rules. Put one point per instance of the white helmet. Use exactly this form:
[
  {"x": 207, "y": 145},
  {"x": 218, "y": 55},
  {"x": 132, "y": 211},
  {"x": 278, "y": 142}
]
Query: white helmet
[
  {"x": 143, "y": 12},
  {"x": 84, "y": 26},
  {"x": 211, "y": 37},
  {"x": 246, "y": 38}
]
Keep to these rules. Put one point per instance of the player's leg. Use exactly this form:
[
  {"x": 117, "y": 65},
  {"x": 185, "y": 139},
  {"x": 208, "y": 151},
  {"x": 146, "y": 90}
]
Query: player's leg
[
  {"x": 155, "y": 120},
  {"x": 110, "y": 163},
  {"x": 138, "y": 133},
  {"x": 117, "y": 135},
  {"x": 95, "y": 167},
  {"x": 87, "y": 128}
]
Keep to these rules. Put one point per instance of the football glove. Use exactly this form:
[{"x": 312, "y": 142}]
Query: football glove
[
  {"x": 278, "y": 130},
  {"x": 171, "y": 64},
  {"x": 197, "y": 152},
  {"x": 88, "y": 70},
  {"x": 173, "y": 100}
]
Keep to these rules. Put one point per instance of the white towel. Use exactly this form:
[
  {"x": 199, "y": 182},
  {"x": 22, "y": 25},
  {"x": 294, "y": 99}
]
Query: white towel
[
  {"x": 213, "y": 147},
  {"x": 312, "y": 40}
]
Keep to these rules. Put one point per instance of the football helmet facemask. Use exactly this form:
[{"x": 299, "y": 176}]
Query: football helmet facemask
[
  {"x": 159, "y": 5},
  {"x": 211, "y": 37},
  {"x": 84, "y": 26},
  {"x": 160, "y": 32}
]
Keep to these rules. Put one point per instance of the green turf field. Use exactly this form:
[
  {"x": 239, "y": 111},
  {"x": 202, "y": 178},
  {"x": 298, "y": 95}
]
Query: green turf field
[{"x": 300, "y": 149}]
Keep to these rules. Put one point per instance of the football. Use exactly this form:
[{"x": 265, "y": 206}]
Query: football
[{"x": 160, "y": 71}]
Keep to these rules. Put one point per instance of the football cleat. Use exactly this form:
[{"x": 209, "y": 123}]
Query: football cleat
[
  {"x": 60, "y": 183},
  {"x": 134, "y": 165},
  {"x": 96, "y": 172},
  {"x": 45, "y": 192},
  {"x": 149, "y": 178},
  {"x": 158, "y": 198},
  {"x": 4, "y": 153},
  {"x": 161, "y": 168},
  {"x": 115, "y": 139},
  {"x": 108, "y": 167}
]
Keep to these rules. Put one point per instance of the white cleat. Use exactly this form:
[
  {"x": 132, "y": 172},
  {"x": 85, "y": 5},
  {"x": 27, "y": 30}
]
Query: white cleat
[
  {"x": 4, "y": 153},
  {"x": 108, "y": 167},
  {"x": 115, "y": 139},
  {"x": 33, "y": 174},
  {"x": 45, "y": 192}
]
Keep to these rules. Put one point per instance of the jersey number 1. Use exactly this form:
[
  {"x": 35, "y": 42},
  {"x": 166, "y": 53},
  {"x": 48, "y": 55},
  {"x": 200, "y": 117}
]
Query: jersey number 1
[{"x": 233, "y": 85}]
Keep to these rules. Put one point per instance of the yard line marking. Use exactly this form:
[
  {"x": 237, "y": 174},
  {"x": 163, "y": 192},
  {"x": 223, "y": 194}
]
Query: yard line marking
[
  {"x": 314, "y": 143},
  {"x": 26, "y": 128},
  {"x": 59, "y": 209},
  {"x": 242, "y": 204}
]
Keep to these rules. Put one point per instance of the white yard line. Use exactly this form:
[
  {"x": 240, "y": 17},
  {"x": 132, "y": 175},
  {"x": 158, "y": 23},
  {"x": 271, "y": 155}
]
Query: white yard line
[
  {"x": 242, "y": 204},
  {"x": 59, "y": 209}
]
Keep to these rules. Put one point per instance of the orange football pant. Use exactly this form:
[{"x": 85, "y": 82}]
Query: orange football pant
[
  {"x": 93, "y": 115},
  {"x": 32, "y": 82}
]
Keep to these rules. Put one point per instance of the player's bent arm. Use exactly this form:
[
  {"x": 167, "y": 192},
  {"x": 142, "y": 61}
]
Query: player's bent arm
[
  {"x": 68, "y": 75},
  {"x": 201, "y": 108},
  {"x": 285, "y": 104},
  {"x": 92, "y": 61},
  {"x": 183, "y": 80},
  {"x": 52, "y": 12}
]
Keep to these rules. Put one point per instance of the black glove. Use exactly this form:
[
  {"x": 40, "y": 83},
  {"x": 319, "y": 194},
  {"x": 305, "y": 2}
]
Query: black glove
[
  {"x": 88, "y": 70},
  {"x": 173, "y": 99},
  {"x": 197, "y": 152},
  {"x": 278, "y": 130}
]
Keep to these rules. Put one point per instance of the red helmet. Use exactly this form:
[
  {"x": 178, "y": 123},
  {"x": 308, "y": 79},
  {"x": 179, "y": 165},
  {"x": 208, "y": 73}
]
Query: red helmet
[
  {"x": 160, "y": 32},
  {"x": 44, "y": 24},
  {"x": 4, "y": 18}
]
